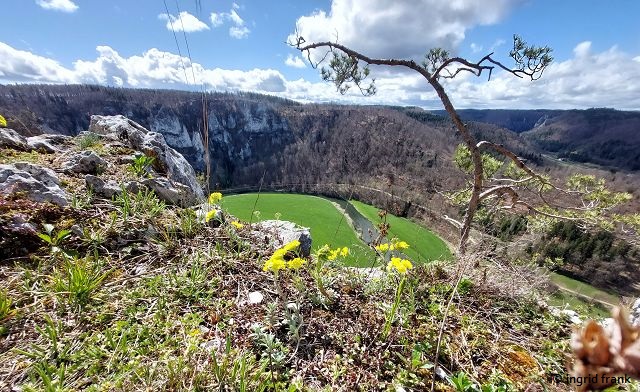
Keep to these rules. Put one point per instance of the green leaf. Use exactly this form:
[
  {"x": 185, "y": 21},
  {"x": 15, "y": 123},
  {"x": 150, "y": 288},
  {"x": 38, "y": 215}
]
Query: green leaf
[{"x": 46, "y": 238}]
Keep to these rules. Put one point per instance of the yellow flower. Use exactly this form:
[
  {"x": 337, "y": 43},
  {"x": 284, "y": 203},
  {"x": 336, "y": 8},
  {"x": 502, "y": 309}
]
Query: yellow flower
[
  {"x": 344, "y": 252},
  {"x": 210, "y": 215},
  {"x": 400, "y": 245},
  {"x": 3, "y": 122},
  {"x": 215, "y": 198},
  {"x": 296, "y": 263},
  {"x": 237, "y": 225},
  {"x": 275, "y": 262},
  {"x": 382, "y": 247},
  {"x": 400, "y": 265},
  {"x": 291, "y": 246},
  {"x": 334, "y": 254},
  {"x": 279, "y": 253}
]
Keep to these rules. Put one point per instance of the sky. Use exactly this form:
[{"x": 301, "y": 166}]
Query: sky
[{"x": 242, "y": 45}]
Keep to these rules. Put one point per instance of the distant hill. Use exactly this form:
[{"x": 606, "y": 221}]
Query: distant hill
[{"x": 600, "y": 136}]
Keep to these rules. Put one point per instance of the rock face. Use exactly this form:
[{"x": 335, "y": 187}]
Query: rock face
[
  {"x": 12, "y": 139},
  {"x": 167, "y": 160},
  {"x": 38, "y": 183},
  {"x": 283, "y": 232},
  {"x": 87, "y": 162}
]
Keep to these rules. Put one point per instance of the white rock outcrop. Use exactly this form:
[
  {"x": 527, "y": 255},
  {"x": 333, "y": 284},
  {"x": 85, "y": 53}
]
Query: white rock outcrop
[
  {"x": 36, "y": 182},
  {"x": 167, "y": 160}
]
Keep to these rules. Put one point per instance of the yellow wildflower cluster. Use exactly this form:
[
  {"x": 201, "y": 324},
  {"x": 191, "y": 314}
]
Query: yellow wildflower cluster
[
  {"x": 215, "y": 198},
  {"x": 394, "y": 245},
  {"x": 210, "y": 215},
  {"x": 237, "y": 225},
  {"x": 333, "y": 254},
  {"x": 400, "y": 265},
  {"x": 277, "y": 261},
  {"x": 3, "y": 122}
]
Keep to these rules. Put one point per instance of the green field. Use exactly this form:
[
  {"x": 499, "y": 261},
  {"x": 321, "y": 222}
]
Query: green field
[
  {"x": 327, "y": 224},
  {"x": 425, "y": 246},
  {"x": 584, "y": 289}
]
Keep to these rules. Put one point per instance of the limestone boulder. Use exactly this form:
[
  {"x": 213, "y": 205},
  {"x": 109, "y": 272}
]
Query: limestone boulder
[
  {"x": 279, "y": 233},
  {"x": 87, "y": 162},
  {"x": 12, "y": 139},
  {"x": 47, "y": 143},
  {"x": 35, "y": 182},
  {"x": 100, "y": 187},
  {"x": 170, "y": 191}
]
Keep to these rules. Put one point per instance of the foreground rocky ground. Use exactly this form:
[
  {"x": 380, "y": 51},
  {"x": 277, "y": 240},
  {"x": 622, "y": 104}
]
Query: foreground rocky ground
[{"x": 116, "y": 275}]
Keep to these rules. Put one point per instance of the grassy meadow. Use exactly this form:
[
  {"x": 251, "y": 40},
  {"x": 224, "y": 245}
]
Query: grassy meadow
[
  {"x": 327, "y": 224},
  {"x": 425, "y": 245}
]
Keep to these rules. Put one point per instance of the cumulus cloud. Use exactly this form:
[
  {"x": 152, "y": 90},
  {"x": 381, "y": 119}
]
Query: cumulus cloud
[
  {"x": 58, "y": 5},
  {"x": 183, "y": 22},
  {"x": 294, "y": 61},
  {"x": 238, "y": 29},
  {"x": 239, "y": 32},
  {"x": 610, "y": 78},
  {"x": 373, "y": 26}
]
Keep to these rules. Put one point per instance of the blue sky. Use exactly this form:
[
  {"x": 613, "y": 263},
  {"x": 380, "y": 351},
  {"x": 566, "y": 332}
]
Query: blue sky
[{"x": 241, "y": 46}]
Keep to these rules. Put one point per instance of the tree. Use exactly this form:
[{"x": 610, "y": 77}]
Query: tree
[{"x": 493, "y": 182}]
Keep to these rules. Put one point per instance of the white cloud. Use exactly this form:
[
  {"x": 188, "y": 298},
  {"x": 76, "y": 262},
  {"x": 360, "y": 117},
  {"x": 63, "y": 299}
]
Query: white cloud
[
  {"x": 374, "y": 26},
  {"x": 475, "y": 48},
  {"x": 238, "y": 30},
  {"x": 294, "y": 61},
  {"x": 582, "y": 49},
  {"x": 184, "y": 22},
  {"x": 58, "y": 5},
  {"x": 606, "y": 79},
  {"x": 235, "y": 18},
  {"x": 217, "y": 19}
]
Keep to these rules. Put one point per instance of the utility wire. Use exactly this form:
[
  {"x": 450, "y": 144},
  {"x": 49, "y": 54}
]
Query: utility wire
[{"x": 175, "y": 37}]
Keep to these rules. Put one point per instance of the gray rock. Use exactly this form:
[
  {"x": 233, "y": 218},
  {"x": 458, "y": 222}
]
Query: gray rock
[
  {"x": 38, "y": 183},
  {"x": 283, "y": 232},
  {"x": 133, "y": 186},
  {"x": 84, "y": 162},
  {"x": 47, "y": 143},
  {"x": 19, "y": 224},
  {"x": 167, "y": 160},
  {"x": 118, "y": 127},
  {"x": 108, "y": 189},
  {"x": 12, "y": 139},
  {"x": 170, "y": 191}
]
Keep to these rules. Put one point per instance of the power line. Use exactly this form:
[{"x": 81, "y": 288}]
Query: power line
[{"x": 175, "y": 37}]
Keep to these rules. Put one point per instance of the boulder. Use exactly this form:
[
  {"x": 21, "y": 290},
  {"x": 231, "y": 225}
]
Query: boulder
[
  {"x": 282, "y": 232},
  {"x": 12, "y": 139},
  {"x": 171, "y": 191},
  {"x": 36, "y": 182},
  {"x": 108, "y": 189},
  {"x": 167, "y": 160},
  {"x": 47, "y": 143},
  {"x": 84, "y": 162}
]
